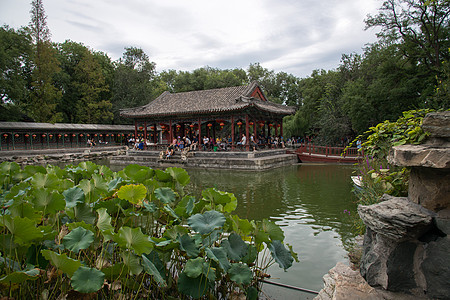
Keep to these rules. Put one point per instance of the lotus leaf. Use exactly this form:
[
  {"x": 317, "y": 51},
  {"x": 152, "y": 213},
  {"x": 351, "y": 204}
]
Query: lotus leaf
[
  {"x": 133, "y": 239},
  {"x": 151, "y": 269},
  {"x": 73, "y": 196},
  {"x": 87, "y": 280},
  {"x": 78, "y": 239},
  {"x": 20, "y": 276},
  {"x": 188, "y": 245},
  {"x": 62, "y": 262},
  {"x": 281, "y": 255},
  {"x": 134, "y": 193},
  {"x": 23, "y": 230},
  {"x": 132, "y": 262},
  {"x": 165, "y": 195},
  {"x": 236, "y": 248},
  {"x": 163, "y": 176},
  {"x": 194, "y": 287},
  {"x": 49, "y": 202},
  {"x": 219, "y": 255},
  {"x": 206, "y": 223},
  {"x": 180, "y": 175},
  {"x": 40, "y": 180},
  {"x": 240, "y": 273}
]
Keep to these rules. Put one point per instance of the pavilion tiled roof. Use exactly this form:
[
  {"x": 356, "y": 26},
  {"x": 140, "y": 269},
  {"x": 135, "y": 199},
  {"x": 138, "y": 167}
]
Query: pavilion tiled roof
[{"x": 222, "y": 100}]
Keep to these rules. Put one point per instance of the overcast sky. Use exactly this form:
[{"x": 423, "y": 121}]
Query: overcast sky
[{"x": 293, "y": 36}]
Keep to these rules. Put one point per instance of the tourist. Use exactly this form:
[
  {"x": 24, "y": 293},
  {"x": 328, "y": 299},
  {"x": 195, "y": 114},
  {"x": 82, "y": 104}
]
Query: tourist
[
  {"x": 194, "y": 143},
  {"x": 205, "y": 142},
  {"x": 253, "y": 142}
]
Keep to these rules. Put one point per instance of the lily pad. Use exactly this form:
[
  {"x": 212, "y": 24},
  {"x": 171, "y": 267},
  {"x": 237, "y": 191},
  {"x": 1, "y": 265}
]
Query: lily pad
[
  {"x": 133, "y": 239},
  {"x": 73, "y": 196},
  {"x": 134, "y": 193},
  {"x": 281, "y": 255},
  {"x": 78, "y": 239},
  {"x": 206, "y": 223},
  {"x": 87, "y": 280},
  {"x": 236, "y": 248},
  {"x": 240, "y": 273},
  {"x": 62, "y": 262},
  {"x": 165, "y": 195}
]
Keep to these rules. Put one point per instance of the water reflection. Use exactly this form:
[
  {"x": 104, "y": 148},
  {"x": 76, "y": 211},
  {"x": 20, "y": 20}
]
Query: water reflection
[{"x": 308, "y": 201}]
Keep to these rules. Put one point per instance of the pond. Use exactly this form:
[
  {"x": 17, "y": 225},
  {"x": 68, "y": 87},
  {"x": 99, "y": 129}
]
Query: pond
[{"x": 311, "y": 203}]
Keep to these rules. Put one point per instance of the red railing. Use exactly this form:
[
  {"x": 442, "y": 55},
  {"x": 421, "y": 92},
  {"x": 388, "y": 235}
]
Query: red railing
[{"x": 327, "y": 151}]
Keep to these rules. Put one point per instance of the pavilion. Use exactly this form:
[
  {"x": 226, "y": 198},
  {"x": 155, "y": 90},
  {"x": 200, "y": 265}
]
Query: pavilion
[{"x": 234, "y": 110}]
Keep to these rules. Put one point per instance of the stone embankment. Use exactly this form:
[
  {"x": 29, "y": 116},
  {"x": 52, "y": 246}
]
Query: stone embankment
[
  {"x": 67, "y": 155},
  {"x": 406, "y": 245}
]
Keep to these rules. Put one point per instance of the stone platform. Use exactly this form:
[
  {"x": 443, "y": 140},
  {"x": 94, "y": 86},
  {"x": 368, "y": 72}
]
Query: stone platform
[{"x": 236, "y": 160}]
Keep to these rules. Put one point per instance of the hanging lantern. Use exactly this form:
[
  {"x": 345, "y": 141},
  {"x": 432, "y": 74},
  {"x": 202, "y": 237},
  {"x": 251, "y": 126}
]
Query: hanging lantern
[
  {"x": 101, "y": 134},
  {"x": 65, "y": 135},
  {"x": 59, "y": 135},
  {"x": 251, "y": 123},
  {"x": 27, "y": 135},
  {"x": 81, "y": 134},
  {"x": 50, "y": 135},
  {"x": 270, "y": 125},
  {"x": 152, "y": 128},
  {"x": 107, "y": 134},
  {"x": 34, "y": 135},
  {"x": 278, "y": 125},
  {"x": 178, "y": 127},
  {"x": 239, "y": 124},
  {"x": 209, "y": 125},
  {"x": 192, "y": 125},
  {"x": 140, "y": 127},
  {"x": 5, "y": 135},
  {"x": 112, "y": 134},
  {"x": 261, "y": 124},
  {"x": 16, "y": 135},
  {"x": 95, "y": 134},
  {"x": 43, "y": 135},
  {"x": 221, "y": 125},
  {"x": 74, "y": 134}
]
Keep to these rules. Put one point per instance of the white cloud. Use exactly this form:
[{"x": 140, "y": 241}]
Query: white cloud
[{"x": 294, "y": 36}]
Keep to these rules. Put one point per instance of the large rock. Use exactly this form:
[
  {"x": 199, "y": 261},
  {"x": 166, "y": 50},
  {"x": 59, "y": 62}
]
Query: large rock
[
  {"x": 396, "y": 218},
  {"x": 438, "y": 124},
  {"x": 430, "y": 188},
  {"x": 343, "y": 283},
  {"x": 429, "y": 156},
  {"x": 436, "y": 268}
]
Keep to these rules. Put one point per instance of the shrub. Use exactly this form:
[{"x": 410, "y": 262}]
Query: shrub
[{"x": 135, "y": 233}]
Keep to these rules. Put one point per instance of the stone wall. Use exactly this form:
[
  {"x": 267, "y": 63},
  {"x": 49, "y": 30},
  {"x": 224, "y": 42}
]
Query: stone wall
[
  {"x": 407, "y": 243},
  {"x": 61, "y": 155}
]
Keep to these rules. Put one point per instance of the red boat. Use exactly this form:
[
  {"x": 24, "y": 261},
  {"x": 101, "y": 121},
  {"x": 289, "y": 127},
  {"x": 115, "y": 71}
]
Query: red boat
[{"x": 325, "y": 154}]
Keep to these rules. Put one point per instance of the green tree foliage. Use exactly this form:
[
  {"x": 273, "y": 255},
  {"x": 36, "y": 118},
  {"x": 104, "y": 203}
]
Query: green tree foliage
[
  {"x": 133, "y": 81},
  {"x": 44, "y": 96},
  {"x": 15, "y": 49}
]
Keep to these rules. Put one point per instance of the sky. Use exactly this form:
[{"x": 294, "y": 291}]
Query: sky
[{"x": 292, "y": 36}]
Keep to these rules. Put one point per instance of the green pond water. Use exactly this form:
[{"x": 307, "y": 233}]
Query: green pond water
[{"x": 307, "y": 201}]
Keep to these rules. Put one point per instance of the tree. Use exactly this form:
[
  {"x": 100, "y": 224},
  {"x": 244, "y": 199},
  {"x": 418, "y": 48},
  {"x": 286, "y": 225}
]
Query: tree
[
  {"x": 44, "y": 95},
  {"x": 91, "y": 85},
  {"x": 15, "y": 49},
  {"x": 133, "y": 81},
  {"x": 421, "y": 26}
]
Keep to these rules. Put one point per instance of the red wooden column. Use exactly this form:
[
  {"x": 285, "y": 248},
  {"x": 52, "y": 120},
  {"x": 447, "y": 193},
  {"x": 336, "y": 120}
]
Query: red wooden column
[
  {"x": 170, "y": 132},
  {"x": 135, "y": 131},
  {"x": 247, "y": 148},
  {"x": 232, "y": 132},
  {"x": 199, "y": 133},
  {"x": 145, "y": 135},
  {"x": 281, "y": 130}
]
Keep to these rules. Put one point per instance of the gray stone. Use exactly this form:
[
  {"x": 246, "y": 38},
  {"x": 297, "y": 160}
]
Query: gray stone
[
  {"x": 400, "y": 268},
  {"x": 438, "y": 124},
  {"x": 428, "y": 156},
  {"x": 430, "y": 188},
  {"x": 396, "y": 218},
  {"x": 436, "y": 268},
  {"x": 343, "y": 283}
]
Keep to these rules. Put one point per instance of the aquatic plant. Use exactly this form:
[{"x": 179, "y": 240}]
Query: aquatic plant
[{"x": 134, "y": 234}]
